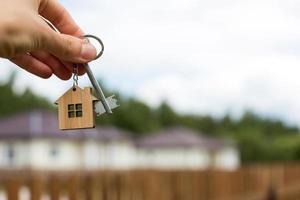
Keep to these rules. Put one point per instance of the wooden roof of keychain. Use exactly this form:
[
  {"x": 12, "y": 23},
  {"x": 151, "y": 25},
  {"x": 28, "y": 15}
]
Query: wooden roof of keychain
[{"x": 77, "y": 107}]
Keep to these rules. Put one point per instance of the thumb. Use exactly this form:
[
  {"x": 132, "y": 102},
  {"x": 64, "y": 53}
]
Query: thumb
[{"x": 70, "y": 48}]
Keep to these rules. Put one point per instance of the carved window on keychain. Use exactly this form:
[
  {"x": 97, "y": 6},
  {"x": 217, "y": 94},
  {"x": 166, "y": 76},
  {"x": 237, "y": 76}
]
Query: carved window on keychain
[{"x": 75, "y": 110}]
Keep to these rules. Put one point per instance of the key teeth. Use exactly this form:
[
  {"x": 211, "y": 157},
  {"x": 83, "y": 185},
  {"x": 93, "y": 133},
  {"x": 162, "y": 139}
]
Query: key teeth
[{"x": 112, "y": 102}]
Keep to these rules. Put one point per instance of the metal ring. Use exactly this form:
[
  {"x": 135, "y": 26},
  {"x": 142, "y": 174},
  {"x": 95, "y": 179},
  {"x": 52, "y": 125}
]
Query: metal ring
[{"x": 100, "y": 42}]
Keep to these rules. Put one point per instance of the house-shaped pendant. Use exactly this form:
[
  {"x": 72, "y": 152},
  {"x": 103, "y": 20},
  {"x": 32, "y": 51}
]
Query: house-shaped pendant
[{"x": 76, "y": 109}]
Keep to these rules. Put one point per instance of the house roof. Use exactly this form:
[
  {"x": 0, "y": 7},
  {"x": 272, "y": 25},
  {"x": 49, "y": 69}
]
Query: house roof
[
  {"x": 78, "y": 89},
  {"x": 106, "y": 133},
  {"x": 43, "y": 123},
  {"x": 181, "y": 137}
]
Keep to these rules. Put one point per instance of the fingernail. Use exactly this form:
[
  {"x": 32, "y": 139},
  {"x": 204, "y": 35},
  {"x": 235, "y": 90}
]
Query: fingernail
[{"x": 88, "y": 51}]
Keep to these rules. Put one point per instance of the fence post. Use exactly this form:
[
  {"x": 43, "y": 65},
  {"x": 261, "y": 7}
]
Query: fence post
[
  {"x": 13, "y": 188},
  {"x": 90, "y": 189},
  {"x": 54, "y": 186},
  {"x": 271, "y": 195},
  {"x": 35, "y": 187},
  {"x": 74, "y": 187}
]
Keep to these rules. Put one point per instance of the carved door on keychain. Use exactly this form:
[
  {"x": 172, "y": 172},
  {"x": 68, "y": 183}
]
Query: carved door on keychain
[{"x": 76, "y": 109}]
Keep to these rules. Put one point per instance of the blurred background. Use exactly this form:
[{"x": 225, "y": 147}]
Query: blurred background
[{"x": 210, "y": 107}]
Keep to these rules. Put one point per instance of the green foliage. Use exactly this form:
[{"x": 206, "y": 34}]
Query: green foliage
[
  {"x": 135, "y": 116},
  {"x": 10, "y": 102},
  {"x": 259, "y": 139},
  {"x": 166, "y": 116}
]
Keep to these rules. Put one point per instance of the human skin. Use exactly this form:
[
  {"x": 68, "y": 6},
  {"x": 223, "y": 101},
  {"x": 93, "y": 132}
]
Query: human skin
[{"x": 29, "y": 42}]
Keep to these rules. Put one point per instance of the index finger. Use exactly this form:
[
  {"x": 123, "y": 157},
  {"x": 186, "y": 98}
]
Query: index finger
[{"x": 53, "y": 11}]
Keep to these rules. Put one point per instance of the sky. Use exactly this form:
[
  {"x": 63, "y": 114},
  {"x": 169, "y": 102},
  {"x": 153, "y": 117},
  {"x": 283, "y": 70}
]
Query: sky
[{"x": 203, "y": 57}]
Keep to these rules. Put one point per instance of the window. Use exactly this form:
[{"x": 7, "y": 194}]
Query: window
[
  {"x": 10, "y": 153},
  {"x": 75, "y": 110},
  {"x": 54, "y": 150}
]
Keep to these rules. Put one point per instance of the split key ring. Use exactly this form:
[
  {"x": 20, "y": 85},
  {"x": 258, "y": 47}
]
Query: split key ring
[{"x": 99, "y": 41}]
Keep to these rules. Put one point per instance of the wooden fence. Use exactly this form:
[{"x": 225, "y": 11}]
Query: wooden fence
[{"x": 274, "y": 182}]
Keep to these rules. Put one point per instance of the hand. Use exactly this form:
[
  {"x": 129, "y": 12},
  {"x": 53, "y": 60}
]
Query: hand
[{"x": 28, "y": 41}]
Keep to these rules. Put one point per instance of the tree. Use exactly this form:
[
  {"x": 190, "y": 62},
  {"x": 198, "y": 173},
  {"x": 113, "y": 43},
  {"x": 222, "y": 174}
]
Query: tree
[
  {"x": 166, "y": 115},
  {"x": 10, "y": 102}
]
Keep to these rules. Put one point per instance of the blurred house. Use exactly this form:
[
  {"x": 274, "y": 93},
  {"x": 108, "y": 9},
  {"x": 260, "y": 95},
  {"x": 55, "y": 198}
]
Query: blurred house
[
  {"x": 181, "y": 148},
  {"x": 32, "y": 140}
]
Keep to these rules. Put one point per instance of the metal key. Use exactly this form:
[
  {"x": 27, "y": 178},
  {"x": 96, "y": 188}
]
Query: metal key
[{"x": 105, "y": 105}]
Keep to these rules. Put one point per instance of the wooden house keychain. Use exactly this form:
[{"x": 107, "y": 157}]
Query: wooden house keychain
[{"x": 77, "y": 107}]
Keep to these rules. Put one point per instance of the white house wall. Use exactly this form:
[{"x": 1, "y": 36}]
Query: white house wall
[
  {"x": 93, "y": 154},
  {"x": 227, "y": 158},
  {"x": 122, "y": 155},
  {"x": 111, "y": 155},
  {"x": 67, "y": 158},
  {"x": 173, "y": 158},
  {"x": 20, "y": 151}
]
